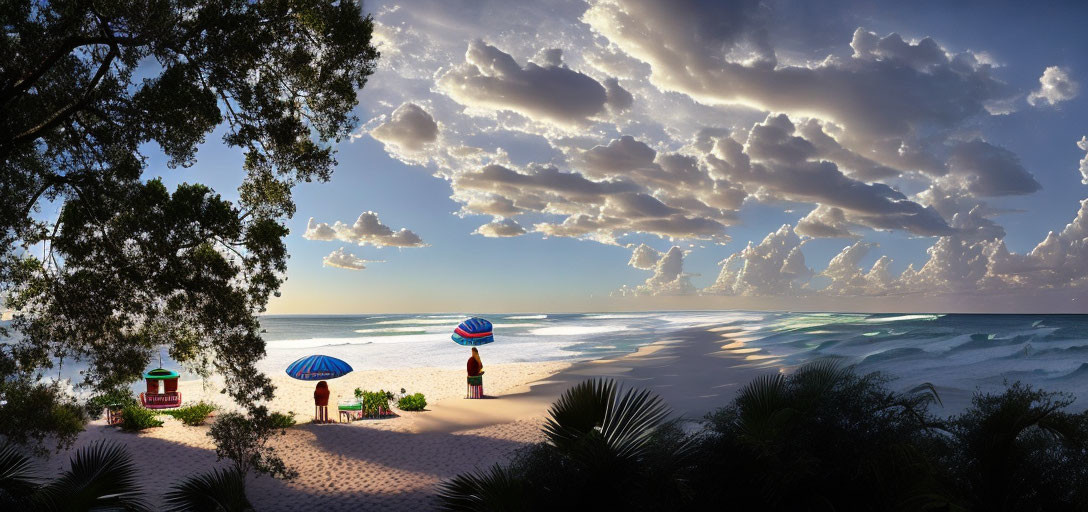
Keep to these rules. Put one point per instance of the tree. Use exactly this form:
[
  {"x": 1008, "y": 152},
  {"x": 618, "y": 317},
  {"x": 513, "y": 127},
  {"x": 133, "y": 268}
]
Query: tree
[{"x": 128, "y": 265}]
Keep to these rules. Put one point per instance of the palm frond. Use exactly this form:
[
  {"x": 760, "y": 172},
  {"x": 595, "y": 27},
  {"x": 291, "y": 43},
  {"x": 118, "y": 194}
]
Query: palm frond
[
  {"x": 763, "y": 405},
  {"x": 18, "y": 480},
  {"x": 630, "y": 421},
  {"x": 494, "y": 490},
  {"x": 927, "y": 390},
  {"x": 101, "y": 475},
  {"x": 579, "y": 411},
  {"x": 222, "y": 490},
  {"x": 819, "y": 377}
]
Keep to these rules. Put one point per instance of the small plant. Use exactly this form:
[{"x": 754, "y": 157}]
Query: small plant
[
  {"x": 244, "y": 440},
  {"x": 97, "y": 404},
  {"x": 413, "y": 402},
  {"x": 135, "y": 418},
  {"x": 193, "y": 415},
  {"x": 376, "y": 403},
  {"x": 282, "y": 421}
]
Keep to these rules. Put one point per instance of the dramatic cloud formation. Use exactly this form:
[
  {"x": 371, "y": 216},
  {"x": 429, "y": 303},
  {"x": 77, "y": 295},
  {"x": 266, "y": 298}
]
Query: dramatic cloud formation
[
  {"x": 367, "y": 229},
  {"x": 601, "y": 209},
  {"x": 883, "y": 96},
  {"x": 341, "y": 258},
  {"x": 611, "y": 120},
  {"x": 669, "y": 277},
  {"x": 775, "y": 266},
  {"x": 1055, "y": 86},
  {"x": 492, "y": 79},
  {"x": 409, "y": 128},
  {"x": 776, "y": 163}
]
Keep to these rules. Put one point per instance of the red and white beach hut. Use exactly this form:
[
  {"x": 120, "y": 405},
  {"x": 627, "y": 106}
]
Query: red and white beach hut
[{"x": 162, "y": 389}]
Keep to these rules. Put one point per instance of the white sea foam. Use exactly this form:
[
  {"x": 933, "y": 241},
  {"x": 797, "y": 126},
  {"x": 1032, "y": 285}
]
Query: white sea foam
[
  {"x": 422, "y": 321},
  {"x": 617, "y": 316},
  {"x": 577, "y": 330},
  {"x": 392, "y": 329},
  {"x": 901, "y": 318},
  {"x": 527, "y": 317}
]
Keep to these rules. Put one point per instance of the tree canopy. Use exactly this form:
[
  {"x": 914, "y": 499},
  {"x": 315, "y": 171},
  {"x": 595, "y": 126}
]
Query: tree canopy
[{"x": 87, "y": 88}]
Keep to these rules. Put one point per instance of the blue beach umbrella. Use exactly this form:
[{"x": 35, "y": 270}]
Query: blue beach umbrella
[
  {"x": 473, "y": 332},
  {"x": 318, "y": 367}
]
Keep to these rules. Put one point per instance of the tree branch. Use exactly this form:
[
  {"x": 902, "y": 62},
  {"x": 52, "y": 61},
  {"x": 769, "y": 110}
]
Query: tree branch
[{"x": 62, "y": 114}]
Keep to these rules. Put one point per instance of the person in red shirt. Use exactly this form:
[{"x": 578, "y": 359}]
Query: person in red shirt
[
  {"x": 475, "y": 375},
  {"x": 475, "y": 365},
  {"x": 321, "y": 403}
]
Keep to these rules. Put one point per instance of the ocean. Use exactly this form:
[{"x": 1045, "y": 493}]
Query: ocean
[{"x": 958, "y": 353}]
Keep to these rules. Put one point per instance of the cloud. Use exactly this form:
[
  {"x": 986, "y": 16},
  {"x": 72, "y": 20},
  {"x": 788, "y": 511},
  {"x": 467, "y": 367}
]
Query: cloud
[
  {"x": 644, "y": 257},
  {"x": 776, "y": 163},
  {"x": 824, "y": 222},
  {"x": 888, "y": 87},
  {"x": 776, "y": 266},
  {"x": 550, "y": 91},
  {"x": 367, "y": 229},
  {"x": 1055, "y": 86},
  {"x": 1083, "y": 144},
  {"x": 847, "y": 278},
  {"x": 409, "y": 128},
  {"x": 988, "y": 170},
  {"x": 666, "y": 118},
  {"x": 668, "y": 278},
  {"x": 341, "y": 258},
  {"x": 500, "y": 228},
  {"x": 601, "y": 209}
]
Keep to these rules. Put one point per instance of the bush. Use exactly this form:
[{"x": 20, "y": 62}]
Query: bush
[
  {"x": 606, "y": 449},
  {"x": 134, "y": 418},
  {"x": 1020, "y": 450},
  {"x": 823, "y": 431},
  {"x": 97, "y": 404},
  {"x": 244, "y": 440},
  {"x": 282, "y": 421},
  {"x": 821, "y": 438},
  {"x": 193, "y": 415},
  {"x": 374, "y": 401},
  {"x": 413, "y": 402}
]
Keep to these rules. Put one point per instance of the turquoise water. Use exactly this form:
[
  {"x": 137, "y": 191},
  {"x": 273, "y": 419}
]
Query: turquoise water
[{"x": 958, "y": 353}]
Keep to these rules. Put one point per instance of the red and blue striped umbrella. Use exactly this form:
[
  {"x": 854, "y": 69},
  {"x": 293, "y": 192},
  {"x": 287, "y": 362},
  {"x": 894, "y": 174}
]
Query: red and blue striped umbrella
[
  {"x": 318, "y": 367},
  {"x": 473, "y": 332}
]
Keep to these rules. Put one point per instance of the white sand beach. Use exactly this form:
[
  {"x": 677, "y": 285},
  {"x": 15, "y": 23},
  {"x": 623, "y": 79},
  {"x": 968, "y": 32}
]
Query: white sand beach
[{"x": 395, "y": 464}]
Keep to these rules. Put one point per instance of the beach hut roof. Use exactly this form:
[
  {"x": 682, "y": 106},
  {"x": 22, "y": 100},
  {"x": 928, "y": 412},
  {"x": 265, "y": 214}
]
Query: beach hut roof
[{"x": 160, "y": 373}]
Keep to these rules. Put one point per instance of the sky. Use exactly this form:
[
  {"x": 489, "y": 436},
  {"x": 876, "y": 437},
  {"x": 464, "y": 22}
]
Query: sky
[{"x": 565, "y": 155}]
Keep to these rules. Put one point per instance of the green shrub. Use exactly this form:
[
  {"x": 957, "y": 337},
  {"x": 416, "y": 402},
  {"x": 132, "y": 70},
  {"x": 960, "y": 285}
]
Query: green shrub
[
  {"x": 134, "y": 418},
  {"x": 282, "y": 421},
  {"x": 193, "y": 415},
  {"x": 373, "y": 401},
  {"x": 413, "y": 402},
  {"x": 244, "y": 441},
  {"x": 96, "y": 405}
]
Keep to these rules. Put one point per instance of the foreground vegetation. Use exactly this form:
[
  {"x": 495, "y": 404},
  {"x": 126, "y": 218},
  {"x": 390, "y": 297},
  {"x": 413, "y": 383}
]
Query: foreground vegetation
[{"x": 822, "y": 438}]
